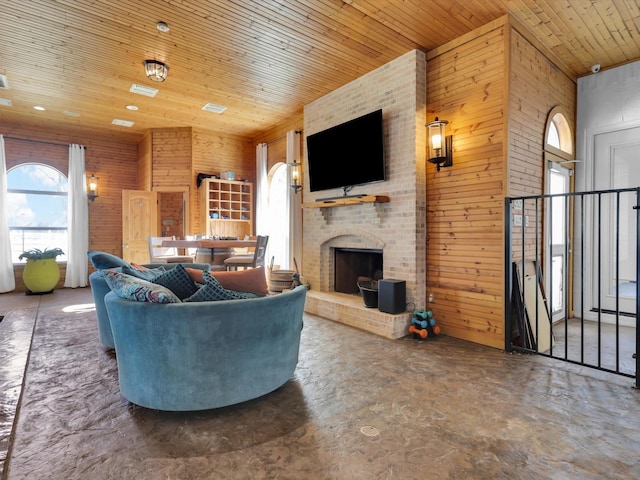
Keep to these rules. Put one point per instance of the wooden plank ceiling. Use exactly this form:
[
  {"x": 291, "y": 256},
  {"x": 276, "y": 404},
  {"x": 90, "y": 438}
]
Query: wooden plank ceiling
[{"x": 263, "y": 60}]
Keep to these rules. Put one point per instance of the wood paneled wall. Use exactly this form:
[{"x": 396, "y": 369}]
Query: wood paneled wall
[
  {"x": 275, "y": 137},
  {"x": 495, "y": 88},
  {"x": 171, "y": 157},
  {"x": 466, "y": 85},
  {"x": 537, "y": 86},
  {"x": 214, "y": 153}
]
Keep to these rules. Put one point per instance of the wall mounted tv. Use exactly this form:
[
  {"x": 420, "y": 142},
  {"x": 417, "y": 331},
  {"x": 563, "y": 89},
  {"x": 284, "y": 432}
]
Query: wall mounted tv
[{"x": 348, "y": 154}]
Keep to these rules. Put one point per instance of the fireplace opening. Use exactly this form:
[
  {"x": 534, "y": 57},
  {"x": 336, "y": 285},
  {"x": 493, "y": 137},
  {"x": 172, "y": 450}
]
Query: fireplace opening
[{"x": 350, "y": 264}]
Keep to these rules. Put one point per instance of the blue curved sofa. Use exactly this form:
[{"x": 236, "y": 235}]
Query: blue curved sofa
[
  {"x": 204, "y": 355},
  {"x": 99, "y": 289}
]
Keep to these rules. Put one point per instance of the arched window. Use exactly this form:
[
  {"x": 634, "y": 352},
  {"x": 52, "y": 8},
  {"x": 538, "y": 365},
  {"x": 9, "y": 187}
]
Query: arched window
[
  {"x": 278, "y": 221},
  {"x": 559, "y": 137},
  {"x": 37, "y": 208}
]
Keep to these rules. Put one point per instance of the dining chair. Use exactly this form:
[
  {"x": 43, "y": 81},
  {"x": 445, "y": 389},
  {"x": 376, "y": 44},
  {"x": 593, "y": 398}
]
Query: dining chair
[
  {"x": 160, "y": 254},
  {"x": 253, "y": 260}
]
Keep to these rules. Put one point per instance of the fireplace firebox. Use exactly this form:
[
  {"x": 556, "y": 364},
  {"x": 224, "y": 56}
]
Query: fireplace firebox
[{"x": 351, "y": 264}]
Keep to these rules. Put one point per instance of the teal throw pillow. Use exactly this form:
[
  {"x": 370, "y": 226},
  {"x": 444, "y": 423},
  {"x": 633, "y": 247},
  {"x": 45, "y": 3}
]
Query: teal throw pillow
[
  {"x": 136, "y": 289},
  {"x": 213, "y": 291},
  {"x": 149, "y": 274},
  {"x": 102, "y": 260},
  {"x": 178, "y": 280}
]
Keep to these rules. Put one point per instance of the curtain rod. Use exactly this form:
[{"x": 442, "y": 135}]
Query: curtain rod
[
  {"x": 41, "y": 141},
  {"x": 298, "y": 132}
]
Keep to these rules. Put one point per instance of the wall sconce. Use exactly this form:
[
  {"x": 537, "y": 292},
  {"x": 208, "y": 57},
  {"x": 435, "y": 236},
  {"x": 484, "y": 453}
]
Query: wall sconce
[
  {"x": 92, "y": 189},
  {"x": 296, "y": 176},
  {"x": 439, "y": 154},
  {"x": 156, "y": 71}
]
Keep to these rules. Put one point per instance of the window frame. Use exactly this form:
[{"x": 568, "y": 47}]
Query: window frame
[{"x": 23, "y": 228}]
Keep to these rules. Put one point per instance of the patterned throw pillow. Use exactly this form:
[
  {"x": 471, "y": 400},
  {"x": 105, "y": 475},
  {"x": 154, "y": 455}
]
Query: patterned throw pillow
[
  {"x": 213, "y": 291},
  {"x": 132, "y": 288},
  {"x": 178, "y": 281},
  {"x": 149, "y": 274}
]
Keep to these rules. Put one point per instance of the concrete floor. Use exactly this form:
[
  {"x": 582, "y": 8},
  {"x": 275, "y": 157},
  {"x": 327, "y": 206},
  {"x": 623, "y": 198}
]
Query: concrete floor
[{"x": 359, "y": 406}]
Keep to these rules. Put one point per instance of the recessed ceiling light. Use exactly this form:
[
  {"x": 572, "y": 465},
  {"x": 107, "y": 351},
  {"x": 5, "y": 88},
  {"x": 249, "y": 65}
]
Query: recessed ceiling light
[
  {"x": 6, "y": 102},
  {"x": 122, "y": 123},
  {"x": 4, "y": 83},
  {"x": 133, "y": 108},
  {"x": 71, "y": 114},
  {"x": 39, "y": 108},
  {"x": 162, "y": 27},
  {"x": 142, "y": 90},
  {"x": 212, "y": 107}
]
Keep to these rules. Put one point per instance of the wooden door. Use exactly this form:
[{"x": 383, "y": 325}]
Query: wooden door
[{"x": 139, "y": 221}]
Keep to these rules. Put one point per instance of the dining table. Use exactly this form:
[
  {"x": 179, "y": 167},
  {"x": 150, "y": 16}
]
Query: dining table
[
  {"x": 210, "y": 243},
  {"x": 221, "y": 248}
]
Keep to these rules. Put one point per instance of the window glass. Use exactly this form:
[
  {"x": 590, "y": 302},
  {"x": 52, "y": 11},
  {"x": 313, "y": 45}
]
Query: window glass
[
  {"x": 559, "y": 134},
  {"x": 553, "y": 138},
  {"x": 37, "y": 209}
]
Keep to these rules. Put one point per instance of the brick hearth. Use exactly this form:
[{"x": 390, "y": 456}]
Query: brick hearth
[{"x": 350, "y": 310}]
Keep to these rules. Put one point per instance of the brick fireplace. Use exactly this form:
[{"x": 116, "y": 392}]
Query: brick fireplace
[{"x": 397, "y": 228}]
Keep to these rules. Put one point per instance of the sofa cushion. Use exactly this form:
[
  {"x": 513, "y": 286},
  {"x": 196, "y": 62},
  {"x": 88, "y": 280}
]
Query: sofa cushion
[
  {"x": 178, "y": 281},
  {"x": 213, "y": 291},
  {"x": 195, "y": 274},
  {"x": 251, "y": 280},
  {"x": 102, "y": 260},
  {"x": 149, "y": 274},
  {"x": 137, "y": 289}
]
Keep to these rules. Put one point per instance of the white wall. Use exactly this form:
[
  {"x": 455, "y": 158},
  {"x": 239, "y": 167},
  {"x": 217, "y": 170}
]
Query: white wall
[{"x": 607, "y": 101}]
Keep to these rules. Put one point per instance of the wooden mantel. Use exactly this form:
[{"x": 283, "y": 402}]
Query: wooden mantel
[{"x": 342, "y": 202}]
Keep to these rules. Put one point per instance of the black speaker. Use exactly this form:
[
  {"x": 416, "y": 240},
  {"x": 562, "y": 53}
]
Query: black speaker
[{"x": 392, "y": 296}]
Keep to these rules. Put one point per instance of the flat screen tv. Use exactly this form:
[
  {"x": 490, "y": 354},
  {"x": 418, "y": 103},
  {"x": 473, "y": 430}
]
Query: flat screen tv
[{"x": 348, "y": 154}]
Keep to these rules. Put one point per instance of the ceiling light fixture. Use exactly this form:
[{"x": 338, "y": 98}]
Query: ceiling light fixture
[
  {"x": 162, "y": 27},
  {"x": 156, "y": 71}
]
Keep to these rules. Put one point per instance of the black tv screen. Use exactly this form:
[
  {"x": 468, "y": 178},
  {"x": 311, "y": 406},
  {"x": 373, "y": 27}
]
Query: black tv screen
[{"x": 348, "y": 154}]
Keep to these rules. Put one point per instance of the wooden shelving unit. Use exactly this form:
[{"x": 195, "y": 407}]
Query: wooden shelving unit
[
  {"x": 227, "y": 207},
  {"x": 343, "y": 202}
]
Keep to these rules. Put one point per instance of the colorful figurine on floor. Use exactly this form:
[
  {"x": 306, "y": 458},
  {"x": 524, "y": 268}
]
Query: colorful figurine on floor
[{"x": 423, "y": 324}]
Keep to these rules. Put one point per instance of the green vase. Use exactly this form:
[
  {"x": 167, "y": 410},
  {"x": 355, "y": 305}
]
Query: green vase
[{"x": 41, "y": 276}]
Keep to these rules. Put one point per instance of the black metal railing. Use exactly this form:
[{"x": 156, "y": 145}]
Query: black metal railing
[{"x": 592, "y": 271}]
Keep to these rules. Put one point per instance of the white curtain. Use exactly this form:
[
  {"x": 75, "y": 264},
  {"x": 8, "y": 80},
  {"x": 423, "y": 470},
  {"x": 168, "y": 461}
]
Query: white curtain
[
  {"x": 294, "y": 204},
  {"x": 7, "y": 279},
  {"x": 262, "y": 190},
  {"x": 77, "y": 221}
]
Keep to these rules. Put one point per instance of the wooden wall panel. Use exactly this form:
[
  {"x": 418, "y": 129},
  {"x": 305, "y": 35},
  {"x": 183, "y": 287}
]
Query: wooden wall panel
[
  {"x": 466, "y": 86},
  {"x": 171, "y": 157},
  {"x": 214, "y": 153},
  {"x": 537, "y": 86},
  {"x": 171, "y": 210},
  {"x": 275, "y": 137},
  {"x": 496, "y": 89},
  {"x": 145, "y": 161}
]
